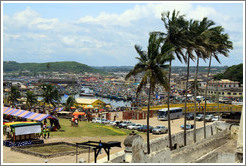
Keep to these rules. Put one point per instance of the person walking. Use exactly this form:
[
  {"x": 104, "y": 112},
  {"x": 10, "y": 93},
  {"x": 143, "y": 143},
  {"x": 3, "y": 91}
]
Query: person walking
[{"x": 44, "y": 133}]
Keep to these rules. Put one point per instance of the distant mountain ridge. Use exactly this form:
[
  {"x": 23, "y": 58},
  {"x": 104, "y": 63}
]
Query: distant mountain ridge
[
  {"x": 65, "y": 66},
  {"x": 76, "y": 67}
]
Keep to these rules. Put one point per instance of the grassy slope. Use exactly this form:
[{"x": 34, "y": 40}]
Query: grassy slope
[{"x": 88, "y": 129}]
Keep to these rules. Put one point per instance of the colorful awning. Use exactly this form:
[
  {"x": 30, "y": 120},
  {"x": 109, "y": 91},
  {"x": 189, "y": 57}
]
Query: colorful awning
[
  {"x": 21, "y": 113},
  {"x": 27, "y": 114},
  {"x": 9, "y": 111},
  {"x": 6, "y": 109}
]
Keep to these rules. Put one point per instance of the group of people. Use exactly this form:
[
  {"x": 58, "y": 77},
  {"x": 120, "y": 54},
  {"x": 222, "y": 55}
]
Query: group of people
[{"x": 45, "y": 131}]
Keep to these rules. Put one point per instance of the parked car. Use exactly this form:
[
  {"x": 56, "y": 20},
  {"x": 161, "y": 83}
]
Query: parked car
[
  {"x": 144, "y": 128},
  {"x": 190, "y": 116},
  {"x": 124, "y": 124},
  {"x": 137, "y": 126},
  {"x": 199, "y": 117},
  {"x": 113, "y": 123},
  {"x": 105, "y": 121},
  {"x": 131, "y": 127},
  {"x": 159, "y": 130},
  {"x": 188, "y": 126},
  {"x": 95, "y": 120},
  {"x": 216, "y": 118},
  {"x": 209, "y": 118},
  {"x": 140, "y": 128}
]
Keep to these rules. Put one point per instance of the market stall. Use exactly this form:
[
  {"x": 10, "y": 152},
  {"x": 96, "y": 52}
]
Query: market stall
[{"x": 22, "y": 133}]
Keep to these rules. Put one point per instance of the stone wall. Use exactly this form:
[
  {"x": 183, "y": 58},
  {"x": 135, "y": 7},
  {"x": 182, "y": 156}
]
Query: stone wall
[
  {"x": 160, "y": 153},
  {"x": 194, "y": 151},
  {"x": 178, "y": 138}
]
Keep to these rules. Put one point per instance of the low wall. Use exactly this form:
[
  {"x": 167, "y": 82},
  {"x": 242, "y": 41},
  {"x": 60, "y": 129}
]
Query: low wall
[
  {"x": 178, "y": 138},
  {"x": 114, "y": 158},
  {"x": 217, "y": 133},
  {"x": 194, "y": 151}
]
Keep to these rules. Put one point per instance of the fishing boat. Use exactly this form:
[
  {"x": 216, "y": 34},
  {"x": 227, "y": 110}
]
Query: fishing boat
[{"x": 86, "y": 91}]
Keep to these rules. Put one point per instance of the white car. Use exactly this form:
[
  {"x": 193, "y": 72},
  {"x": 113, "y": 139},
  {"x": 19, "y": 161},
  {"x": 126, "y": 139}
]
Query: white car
[
  {"x": 95, "y": 120},
  {"x": 137, "y": 126},
  {"x": 216, "y": 118},
  {"x": 131, "y": 127},
  {"x": 160, "y": 130},
  {"x": 209, "y": 118},
  {"x": 105, "y": 121}
]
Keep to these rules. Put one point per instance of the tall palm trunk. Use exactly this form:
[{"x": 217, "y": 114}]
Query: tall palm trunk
[
  {"x": 197, "y": 65},
  {"x": 148, "y": 145},
  {"x": 186, "y": 89},
  {"x": 168, "y": 108},
  {"x": 205, "y": 106}
]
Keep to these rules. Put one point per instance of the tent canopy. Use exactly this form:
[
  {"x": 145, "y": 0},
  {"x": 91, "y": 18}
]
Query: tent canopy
[
  {"x": 78, "y": 113},
  {"x": 26, "y": 114}
]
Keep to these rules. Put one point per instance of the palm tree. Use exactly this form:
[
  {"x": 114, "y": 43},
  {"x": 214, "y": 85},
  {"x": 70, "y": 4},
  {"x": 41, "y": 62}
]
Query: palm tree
[
  {"x": 194, "y": 87},
  {"x": 201, "y": 30},
  {"x": 70, "y": 102},
  {"x": 30, "y": 99},
  {"x": 152, "y": 65},
  {"x": 174, "y": 25},
  {"x": 50, "y": 94},
  {"x": 218, "y": 44},
  {"x": 14, "y": 94},
  {"x": 190, "y": 47}
]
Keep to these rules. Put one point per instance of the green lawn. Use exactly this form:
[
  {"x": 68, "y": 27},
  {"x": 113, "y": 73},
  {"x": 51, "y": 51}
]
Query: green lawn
[
  {"x": 53, "y": 149},
  {"x": 88, "y": 129}
]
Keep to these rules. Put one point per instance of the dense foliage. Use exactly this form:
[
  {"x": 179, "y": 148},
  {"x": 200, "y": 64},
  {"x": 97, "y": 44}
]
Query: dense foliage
[
  {"x": 66, "y": 66},
  {"x": 234, "y": 73}
]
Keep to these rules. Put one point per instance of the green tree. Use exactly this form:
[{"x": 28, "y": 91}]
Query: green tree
[
  {"x": 31, "y": 99},
  {"x": 70, "y": 102},
  {"x": 218, "y": 43},
  {"x": 152, "y": 65},
  {"x": 14, "y": 94},
  {"x": 200, "y": 33},
  {"x": 50, "y": 94},
  {"x": 174, "y": 35}
]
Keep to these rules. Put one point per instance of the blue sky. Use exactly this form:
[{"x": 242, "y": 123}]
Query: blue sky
[{"x": 103, "y": 34}]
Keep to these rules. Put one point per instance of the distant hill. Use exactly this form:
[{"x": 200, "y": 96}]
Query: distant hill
[
  {"x": 66, "y": 66},
  {"x": 234, "y": 73}
]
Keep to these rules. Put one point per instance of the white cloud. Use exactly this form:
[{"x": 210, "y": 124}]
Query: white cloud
[
  {"x": 29, "y": 19},
  {"x": 129, "y": 16},
  {"x": 112, "y": 35}
]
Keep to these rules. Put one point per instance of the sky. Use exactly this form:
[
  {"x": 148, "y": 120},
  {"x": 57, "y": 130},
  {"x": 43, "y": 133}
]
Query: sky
[{"x": 104, "y": 34}]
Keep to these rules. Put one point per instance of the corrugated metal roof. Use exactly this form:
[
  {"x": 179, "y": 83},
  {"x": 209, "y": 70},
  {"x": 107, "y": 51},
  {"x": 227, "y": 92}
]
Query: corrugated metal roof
[{"x": 86, "y": 101}]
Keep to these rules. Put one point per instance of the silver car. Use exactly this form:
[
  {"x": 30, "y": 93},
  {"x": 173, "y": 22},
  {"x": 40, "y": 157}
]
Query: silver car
[
  {"x": 216, "y": 118},
  {"x": 137, "y": 126},
  {"x": 209, "y": 118},
  {"x": 160, "y": 130}
]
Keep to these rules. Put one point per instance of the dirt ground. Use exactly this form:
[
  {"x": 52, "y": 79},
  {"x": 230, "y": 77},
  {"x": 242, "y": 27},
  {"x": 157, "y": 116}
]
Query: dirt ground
[{"x": 10, "y": 156}]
